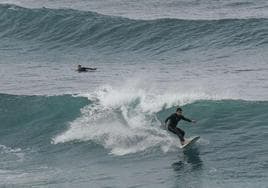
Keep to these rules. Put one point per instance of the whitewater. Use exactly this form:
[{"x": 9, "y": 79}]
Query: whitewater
[{"x": 61, "y": 128}]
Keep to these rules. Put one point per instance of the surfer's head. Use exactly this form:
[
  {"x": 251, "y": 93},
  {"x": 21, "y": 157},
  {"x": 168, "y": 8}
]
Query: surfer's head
[{"x": 179, "y": 111}]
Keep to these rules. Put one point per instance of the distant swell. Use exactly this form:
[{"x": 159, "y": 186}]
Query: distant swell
[{"x": 66, "y": 28}]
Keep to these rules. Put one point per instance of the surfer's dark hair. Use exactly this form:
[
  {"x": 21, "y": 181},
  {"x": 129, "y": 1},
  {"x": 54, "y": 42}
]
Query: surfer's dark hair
[{"x": 179, "y": 110}]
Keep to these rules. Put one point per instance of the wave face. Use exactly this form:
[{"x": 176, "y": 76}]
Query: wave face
[
  {"x": 64, "y": 28},
  {"x": 118, "y": 120},
  {"x": 26, "y": 117},
  {"x": 50, "y": 135}
]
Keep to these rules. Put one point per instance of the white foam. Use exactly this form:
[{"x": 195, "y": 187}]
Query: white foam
[
  {"x": 123, "y": 119},
  {"x": 12, "y": 151}
]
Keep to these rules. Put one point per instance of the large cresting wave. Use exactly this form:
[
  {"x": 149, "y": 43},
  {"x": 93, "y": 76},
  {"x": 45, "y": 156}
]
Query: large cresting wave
[
  {"x": 123, "y": 120},
  {"x": 128, "y": 120}
]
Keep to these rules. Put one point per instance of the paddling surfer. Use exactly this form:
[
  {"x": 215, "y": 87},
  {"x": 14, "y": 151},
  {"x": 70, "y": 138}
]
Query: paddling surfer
[{"x": 84, "y": 69}]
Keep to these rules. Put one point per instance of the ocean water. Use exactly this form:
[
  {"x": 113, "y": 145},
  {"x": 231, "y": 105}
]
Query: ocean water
[{"x": 61, "y": 128}]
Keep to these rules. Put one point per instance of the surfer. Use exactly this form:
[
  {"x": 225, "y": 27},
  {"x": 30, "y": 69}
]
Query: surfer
[
  {"x": 84, "y": 69},
  {"x": 172, "y": 122}
]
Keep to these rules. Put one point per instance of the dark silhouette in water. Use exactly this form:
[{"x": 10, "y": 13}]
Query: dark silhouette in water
[
  {"x": 189, "y": 157},
  {"x": 188, "y": 169},
  {"x": 85, "y": 69}
]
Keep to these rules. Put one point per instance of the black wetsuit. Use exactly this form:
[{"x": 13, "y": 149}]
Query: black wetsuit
[
  {"x": 82, "y": 69},
  {"x": 85, "y": 69},
  {"x": 172, "y": 125}
]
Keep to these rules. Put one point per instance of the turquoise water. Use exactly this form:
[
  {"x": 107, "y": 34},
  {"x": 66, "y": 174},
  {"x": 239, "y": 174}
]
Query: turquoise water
[
  {"x": 50, "y": 141},
  {"x": 60, "y": 128}
]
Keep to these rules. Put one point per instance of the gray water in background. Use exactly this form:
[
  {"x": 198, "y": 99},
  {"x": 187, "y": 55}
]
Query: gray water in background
[
  {"x": 182, "y": 9},
  {"x": 244, "y": 79},
  {"x": 39, "y": 56}
]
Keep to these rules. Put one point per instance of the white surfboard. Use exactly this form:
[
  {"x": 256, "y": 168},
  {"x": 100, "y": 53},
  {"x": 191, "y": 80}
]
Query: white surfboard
[{"x": 190, "y": 142}]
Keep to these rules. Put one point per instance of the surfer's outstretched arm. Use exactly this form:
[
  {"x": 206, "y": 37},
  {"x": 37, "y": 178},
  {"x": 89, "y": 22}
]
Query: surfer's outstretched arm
[{"x": 189, "y": 120}]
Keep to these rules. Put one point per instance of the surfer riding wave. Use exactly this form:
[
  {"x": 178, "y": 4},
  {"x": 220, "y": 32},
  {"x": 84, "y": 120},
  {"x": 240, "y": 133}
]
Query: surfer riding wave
[{"x": 172, "y": 122}]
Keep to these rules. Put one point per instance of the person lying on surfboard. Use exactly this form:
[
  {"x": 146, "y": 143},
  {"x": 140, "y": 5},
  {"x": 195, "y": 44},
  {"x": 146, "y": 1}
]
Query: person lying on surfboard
[
  {"x": 172, "y": 122},
  {"x": 84, "y": 69}
]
